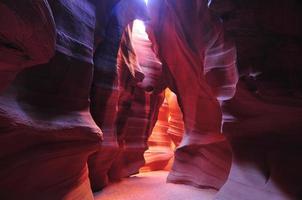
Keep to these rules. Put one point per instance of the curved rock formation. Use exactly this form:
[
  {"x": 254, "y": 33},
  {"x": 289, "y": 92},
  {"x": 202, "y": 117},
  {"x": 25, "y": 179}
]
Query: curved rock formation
[
  {"x": 47, "y": 130},
  {"x": 56, "y": 54},
  {"x": 160, "y": 150},
  {"x": 27, "y": 37},
  {"x": 137, "y": 108},
  {"x": 115, "y": 65},
  {"x": 203, "y": 150},
  {"x": 176, "y": 124},
  {"x": 166, "y": 135},
  {"x": 262, "y": 121}
]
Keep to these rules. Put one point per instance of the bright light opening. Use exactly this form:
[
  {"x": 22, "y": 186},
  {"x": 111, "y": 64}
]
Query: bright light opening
[{"x": 139, "y": 29}]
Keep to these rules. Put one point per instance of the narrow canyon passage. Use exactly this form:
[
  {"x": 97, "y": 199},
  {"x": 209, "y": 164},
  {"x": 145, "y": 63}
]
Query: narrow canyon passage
[{"x": 150, "y": 99}]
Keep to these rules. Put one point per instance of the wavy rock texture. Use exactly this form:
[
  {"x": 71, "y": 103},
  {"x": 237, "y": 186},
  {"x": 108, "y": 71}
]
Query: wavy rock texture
[
  {"x": 160, "y": 151},
  {"x": 63, "y": 54},
  {"x": 26, "y": 39},
  {"x": 265, "y": 146},
  {"x": 166, "y": 135},
  {"x": 176, "y": 124},
  {"x": 137, "y": 108},
  {"x": 114, "y": 62},
  {"x": 47, "y": 130},
  {"x": 262, "y": 121},
  {"x": 203, "y": 157}
]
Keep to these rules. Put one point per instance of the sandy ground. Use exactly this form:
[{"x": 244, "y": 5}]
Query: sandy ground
[{"x": 152, "y": 186}]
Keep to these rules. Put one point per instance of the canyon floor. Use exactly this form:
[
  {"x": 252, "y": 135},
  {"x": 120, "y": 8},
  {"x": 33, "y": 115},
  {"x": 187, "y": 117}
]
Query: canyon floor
[{"x": 152, "y": 186}]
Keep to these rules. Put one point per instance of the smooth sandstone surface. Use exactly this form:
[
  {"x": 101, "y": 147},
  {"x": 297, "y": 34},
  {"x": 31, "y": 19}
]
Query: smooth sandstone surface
[
  {"x": 80, "y": 94},
  {"x": 152, "y": 186}
]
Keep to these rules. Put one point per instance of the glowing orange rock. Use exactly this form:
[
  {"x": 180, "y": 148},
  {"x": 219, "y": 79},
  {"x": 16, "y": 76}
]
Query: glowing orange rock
[
  {"x": 160, "y": 150},
  {"x": 166, "y": 135},
  {"x": 176, "y": 124}
]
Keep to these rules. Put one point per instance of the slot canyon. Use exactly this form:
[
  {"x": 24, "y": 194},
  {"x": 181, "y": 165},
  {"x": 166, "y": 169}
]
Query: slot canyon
[{"x": 150, "y": 99}]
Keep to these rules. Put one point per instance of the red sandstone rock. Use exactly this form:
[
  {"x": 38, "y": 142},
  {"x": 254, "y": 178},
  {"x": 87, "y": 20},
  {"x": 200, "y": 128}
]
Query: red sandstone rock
[
  {"x": 27, "y": 35},
  {"x": 203, "y": 147},
  {"x": 160, "y": 150},
  {"x": 48, "y": 132},
  {"x": 166, "y": 135},
  {"x": 114, "y": 62},
  {"x": 135, "y": 106},
  {"x": 265, "y": 147},
  {"x": 263, "y": 120},
  {"x": 176, "y": 124},
  {"x": 133, "y": 114}
]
